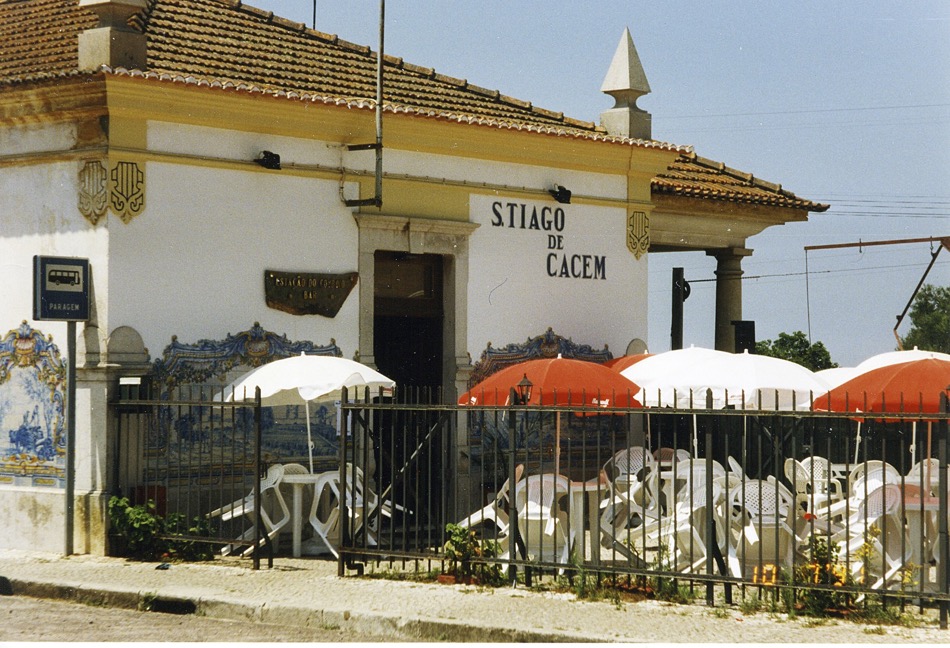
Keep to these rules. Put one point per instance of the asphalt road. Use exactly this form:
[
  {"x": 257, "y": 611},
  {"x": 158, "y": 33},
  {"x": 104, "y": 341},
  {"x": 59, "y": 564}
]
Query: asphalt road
[{"x": 30, "y": 619}]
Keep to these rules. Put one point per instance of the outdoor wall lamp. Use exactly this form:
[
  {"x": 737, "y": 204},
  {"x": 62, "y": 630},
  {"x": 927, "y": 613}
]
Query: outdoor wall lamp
[
  {"x": 269, "y": 160},
  {"x": 524, "y": 389},
  {"x": 561, "y": 194}
]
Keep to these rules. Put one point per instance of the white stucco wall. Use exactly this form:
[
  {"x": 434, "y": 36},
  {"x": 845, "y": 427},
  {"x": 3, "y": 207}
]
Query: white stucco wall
[
  {"x": 512, "y": 294},
  {"x": 39, "y": 216},
  {"x": 192, "y": 264}
]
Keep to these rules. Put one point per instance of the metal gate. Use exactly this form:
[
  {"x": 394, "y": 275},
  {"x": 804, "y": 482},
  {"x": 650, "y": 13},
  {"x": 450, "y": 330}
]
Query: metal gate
[
  {"x": 189, "y": 455},
  {"x": 407, "y": 478}
]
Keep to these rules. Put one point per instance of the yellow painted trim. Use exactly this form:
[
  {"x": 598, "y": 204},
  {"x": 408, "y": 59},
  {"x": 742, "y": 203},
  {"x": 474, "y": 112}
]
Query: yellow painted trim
[{"x": 138, "y": 98}]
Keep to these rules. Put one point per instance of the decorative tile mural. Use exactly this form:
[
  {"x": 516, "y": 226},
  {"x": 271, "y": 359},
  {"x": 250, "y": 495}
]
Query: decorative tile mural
[
  {"x": 547, "y": 345},
  {"x": 32, "y": 409},
  {"x": 489, "y": 430},
  {"x": 215, "y": 363}
]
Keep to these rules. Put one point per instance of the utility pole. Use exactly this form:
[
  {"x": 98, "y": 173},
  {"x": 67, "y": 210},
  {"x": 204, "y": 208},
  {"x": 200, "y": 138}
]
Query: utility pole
[
  {"x": 944, "y": 243},
  {"x": 680, "y": 294}
]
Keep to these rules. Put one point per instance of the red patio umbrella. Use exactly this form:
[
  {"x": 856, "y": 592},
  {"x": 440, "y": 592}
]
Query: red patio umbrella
[
  {"x": 557, "y": 381},
  {"x": 908, "y": 387}
]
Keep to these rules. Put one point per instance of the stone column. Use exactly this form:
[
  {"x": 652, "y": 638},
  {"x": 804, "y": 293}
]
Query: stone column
[{"x": 728, "y": 294}]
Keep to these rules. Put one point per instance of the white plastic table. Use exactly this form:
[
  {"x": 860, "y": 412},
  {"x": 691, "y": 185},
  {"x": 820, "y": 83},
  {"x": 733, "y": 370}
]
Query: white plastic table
[
  {"x": 297, "y": 517},
  {"x": 594, "y": 489}
]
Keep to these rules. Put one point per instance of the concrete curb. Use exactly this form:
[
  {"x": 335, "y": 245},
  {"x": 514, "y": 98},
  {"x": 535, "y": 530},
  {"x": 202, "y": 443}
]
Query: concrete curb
[{"x": 219, "y": 608}]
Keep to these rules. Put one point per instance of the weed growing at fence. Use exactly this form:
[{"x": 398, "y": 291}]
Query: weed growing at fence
[
  {"x": 825, "y": 571},
  {"x": 464, "y": 551},
  {"x": 149, "y": 536}
]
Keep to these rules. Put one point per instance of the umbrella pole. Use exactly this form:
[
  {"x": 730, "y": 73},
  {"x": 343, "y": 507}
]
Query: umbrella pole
[
  {"x": 913, "y": 444},
  {"x": 929, "y": 450},
  {"x": 649, "y": 433},
  {"x": 857, "y": 443},
  {"x": 557, "y": 444},
  {"x": 695, "y": 438},
  {"x": 309, "y": 438}
]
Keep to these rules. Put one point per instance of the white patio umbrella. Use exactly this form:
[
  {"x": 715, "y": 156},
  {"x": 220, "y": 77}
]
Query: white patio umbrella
[
  {"x": 897, "y": 357},
  {"x": 683, "y": 378},
  {"x": 837, "y": 375},
  {"x": 301, "y": 379},
  {"x": 742, "y": 380}
]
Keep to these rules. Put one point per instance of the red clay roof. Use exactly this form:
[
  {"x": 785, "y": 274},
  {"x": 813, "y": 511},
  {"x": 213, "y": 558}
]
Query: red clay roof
[
  {"x": 227, "y": 43},
  {"x": 697, "y": 177}
]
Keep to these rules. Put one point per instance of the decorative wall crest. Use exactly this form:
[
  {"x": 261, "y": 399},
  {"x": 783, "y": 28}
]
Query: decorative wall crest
[
  {"x": 122, "y": 189},
  {"x": 93, "y": 191},
  {"x": 127, "y": 190},
  {"x": 638, "y": 233}
]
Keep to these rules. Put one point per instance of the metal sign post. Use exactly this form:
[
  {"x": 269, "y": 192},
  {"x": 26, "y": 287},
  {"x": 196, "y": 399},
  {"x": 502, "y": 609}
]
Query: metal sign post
[{"x": 61, "y": 293}]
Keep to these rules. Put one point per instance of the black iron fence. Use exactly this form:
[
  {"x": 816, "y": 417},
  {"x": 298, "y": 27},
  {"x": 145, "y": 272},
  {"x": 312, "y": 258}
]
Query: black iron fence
[
  {"x": 775, "y": 501},
  {"x": 186, "y": 455},
  {"x": 793, "y": 501}
]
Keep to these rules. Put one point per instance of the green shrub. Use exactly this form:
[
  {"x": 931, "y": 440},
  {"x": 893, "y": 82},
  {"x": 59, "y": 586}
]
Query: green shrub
[
  {"x": 464, "y": 551},
  {"x": 149, "y": 536}
]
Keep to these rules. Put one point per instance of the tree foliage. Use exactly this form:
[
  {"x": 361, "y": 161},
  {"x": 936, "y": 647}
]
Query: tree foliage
[
  {"x": 930, "y": 320},
  {"x": 795, "y": 347}
]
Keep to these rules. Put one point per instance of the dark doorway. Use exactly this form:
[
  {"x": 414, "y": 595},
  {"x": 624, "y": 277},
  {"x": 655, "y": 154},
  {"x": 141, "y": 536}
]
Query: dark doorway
[
  {"x": 407, "y": 344},
  {"x": 407, "y": 329}
]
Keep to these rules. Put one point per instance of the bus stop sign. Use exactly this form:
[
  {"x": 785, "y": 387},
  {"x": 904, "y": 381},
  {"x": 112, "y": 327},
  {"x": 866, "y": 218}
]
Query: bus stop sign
[{"x": 60, "y": 289}]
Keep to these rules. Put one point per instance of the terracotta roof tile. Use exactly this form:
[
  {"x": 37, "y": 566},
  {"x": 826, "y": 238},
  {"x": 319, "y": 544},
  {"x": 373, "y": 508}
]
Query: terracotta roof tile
[
  {"x": 698, "y": 177},
  {"x": 225, "y": 43}
]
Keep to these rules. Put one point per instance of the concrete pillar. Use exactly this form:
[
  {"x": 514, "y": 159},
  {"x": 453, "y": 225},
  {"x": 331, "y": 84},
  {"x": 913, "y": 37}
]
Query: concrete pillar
[{"x": 728, "y": 294}]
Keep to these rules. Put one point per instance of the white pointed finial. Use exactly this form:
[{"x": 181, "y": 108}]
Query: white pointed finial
[
  {"x": 626, "y": 82},
  {"x": 626, "y": 75}
]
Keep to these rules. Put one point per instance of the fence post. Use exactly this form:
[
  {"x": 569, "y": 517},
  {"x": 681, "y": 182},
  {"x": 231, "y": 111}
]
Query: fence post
[
  {"x": 711, "y": 541},
  {"x": 512, "y": 487},
  {"x": 943, "y": 548},
  {"x": 257, "y": 478},
  {"x": 344, "y": 435}
]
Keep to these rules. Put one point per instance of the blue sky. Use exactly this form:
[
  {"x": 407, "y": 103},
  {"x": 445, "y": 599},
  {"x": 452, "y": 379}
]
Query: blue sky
[{"x": 842, "y": 103}]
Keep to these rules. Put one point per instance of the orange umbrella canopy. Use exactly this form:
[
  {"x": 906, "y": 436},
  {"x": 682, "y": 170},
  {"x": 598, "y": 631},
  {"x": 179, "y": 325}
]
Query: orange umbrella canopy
[
  {"x": 556, "y": 381},
  {"x": 910, "y": 387},
  {"x": 624, "y": 361}
]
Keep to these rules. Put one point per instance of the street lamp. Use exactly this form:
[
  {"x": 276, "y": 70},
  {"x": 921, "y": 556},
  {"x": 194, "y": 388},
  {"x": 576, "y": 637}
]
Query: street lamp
[
  {"x": 524, "y": 390},
  {"x": 520, "y": 395}
]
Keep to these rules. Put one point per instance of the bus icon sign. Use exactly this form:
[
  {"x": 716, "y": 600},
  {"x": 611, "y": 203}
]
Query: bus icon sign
[{"x": 61, "y": 289}]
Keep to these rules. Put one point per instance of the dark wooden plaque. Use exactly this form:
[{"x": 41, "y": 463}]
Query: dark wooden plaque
[{"x": 308, "y": 293}]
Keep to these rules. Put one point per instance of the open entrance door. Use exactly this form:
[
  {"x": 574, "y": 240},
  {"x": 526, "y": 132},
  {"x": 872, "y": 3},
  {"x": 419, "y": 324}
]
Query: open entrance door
[
  {"x": 407, "y": 344},
  {"x": 407, "y": 330}
]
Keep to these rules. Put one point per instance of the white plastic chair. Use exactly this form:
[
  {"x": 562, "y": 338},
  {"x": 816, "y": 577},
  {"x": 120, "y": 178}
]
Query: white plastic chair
[
  {"x": 735, "y": 469},
  {"x": 878, "y": 551},
  {"x": 924, "y": 470},
  {"x": 631, "y": 491},
  {"x": 868, "y": 475},
  {"x": 689, "y": 541},
  {"x": 812, "y": 482},
  {"x": 245, "y": 506},
  {"x": 759, "y": 512},
  {"x": 691, "y": 474},
  {"x": 495, "y": 511},
  {"x": 325, "y": 510},
  {"x": 542, "y": 524}
]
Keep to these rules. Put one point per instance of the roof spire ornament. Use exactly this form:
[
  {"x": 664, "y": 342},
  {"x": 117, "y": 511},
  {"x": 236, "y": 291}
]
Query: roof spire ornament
[
  {"x": 626, "y": 82},
  {"x": 113, "y": 42}
]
